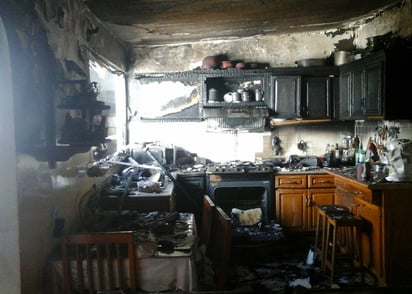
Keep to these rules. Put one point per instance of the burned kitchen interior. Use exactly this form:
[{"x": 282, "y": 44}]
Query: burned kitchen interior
[{"x": 206, "y": 146}]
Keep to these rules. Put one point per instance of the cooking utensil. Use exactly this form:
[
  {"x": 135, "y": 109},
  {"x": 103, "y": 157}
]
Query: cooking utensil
[
  {"x": 311, "y": 62},
  {"x": 342, "y": 57}
]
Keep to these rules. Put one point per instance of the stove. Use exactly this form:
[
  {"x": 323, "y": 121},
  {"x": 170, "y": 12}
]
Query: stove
[{"x": 243, "y": 185}]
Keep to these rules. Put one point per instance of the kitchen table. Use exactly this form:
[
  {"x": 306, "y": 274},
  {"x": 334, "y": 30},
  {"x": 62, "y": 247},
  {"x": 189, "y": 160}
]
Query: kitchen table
[{"x": 166, "y": 245}]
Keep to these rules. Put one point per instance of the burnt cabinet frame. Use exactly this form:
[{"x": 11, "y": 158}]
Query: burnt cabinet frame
[
  {"x": 231, "y": 80},
  {"x": 154, "y": 101}
]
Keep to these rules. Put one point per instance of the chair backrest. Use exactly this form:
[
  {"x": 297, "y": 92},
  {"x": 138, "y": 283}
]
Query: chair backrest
[
  {"x": 208, "y": 210},
  {"x": 220, "y": 247},
  {"x": 98, "y": 261}
]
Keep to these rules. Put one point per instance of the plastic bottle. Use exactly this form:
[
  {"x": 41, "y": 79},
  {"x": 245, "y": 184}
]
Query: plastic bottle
[
  {"x": 356, "y": 142},
  {"x": 337, "y": 151}
]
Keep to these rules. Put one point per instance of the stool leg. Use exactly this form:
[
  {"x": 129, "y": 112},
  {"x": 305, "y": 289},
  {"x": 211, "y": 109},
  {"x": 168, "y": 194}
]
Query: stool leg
[
  {"x": 317, "y": 232},
  {"x": 359, "y": 251},
  {"x": 325, "y": 245},
  {"x": 324, "y": 240},
  {"x": 332, "y": 267}
]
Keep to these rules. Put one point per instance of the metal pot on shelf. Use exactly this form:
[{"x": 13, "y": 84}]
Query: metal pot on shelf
[{"x": 342, "y": 57}]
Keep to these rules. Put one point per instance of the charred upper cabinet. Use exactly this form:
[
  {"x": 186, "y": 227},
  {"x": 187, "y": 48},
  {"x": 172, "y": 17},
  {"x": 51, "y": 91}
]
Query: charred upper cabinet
[
  {"x": 286, "y": 93},
  {"x": 317, "y": 97},
  {"x": 305, "y": 93},
  {"x": 374, "y": 87},
  {"x": 361, "y": 89}
]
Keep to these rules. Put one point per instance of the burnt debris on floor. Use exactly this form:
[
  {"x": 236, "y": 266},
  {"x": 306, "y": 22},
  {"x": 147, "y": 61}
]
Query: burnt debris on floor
[{"x": 282, "y": 267}]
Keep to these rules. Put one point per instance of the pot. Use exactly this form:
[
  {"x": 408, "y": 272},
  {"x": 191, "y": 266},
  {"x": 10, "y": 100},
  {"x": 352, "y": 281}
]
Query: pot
[
  {"x": 311, "y": 62},
  {"x": 342, "y": 57}
]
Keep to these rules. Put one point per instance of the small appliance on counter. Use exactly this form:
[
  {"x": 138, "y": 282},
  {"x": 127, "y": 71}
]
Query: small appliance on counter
[{"x": 399, "y": 160}]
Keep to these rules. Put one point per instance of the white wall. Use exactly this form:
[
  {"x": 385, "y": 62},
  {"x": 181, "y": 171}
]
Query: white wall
[{"x": 9, "y": 222}]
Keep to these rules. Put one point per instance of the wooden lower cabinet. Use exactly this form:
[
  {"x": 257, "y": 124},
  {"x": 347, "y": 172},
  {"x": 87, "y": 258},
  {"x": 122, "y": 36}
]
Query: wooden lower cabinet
[
  {"x": 371, "y": 236},
  {"x": 297, "y": 197},
  {"x": 387, "y": 228},
  {"x": 355, "y": 197},
  {"x": 290, "y": 208}
]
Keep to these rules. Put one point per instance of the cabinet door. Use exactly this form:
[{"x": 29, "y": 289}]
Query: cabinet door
[
  {"x": 351, "y": 98},
  {"x": 317, "y": 102},
  {"x": 286, "y": 96},
  {"x": 290, "y": 208},
  {"x": 361, "y": 90},
  {"x": 371, "y": 236},
  {"x": 316, "y": 197},
  {"x": 344, "y": 105},
  {"x": 373, "y": 104},
  {"x": 357, "y": 93}
]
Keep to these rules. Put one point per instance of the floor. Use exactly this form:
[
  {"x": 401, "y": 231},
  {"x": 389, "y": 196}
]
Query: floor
[{"x": 281, "y": 267}]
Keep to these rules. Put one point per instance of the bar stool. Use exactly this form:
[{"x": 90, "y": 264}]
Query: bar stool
[
  {"x": 343, "y": 233},
  {"x": 321, "y": 217}
]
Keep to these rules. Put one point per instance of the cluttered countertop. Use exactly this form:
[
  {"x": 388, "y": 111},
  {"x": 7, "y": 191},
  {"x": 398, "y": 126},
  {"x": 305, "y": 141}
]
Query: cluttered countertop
[
  {"x": 147, "y": 169},
  {"x": 375, "y": 181}
]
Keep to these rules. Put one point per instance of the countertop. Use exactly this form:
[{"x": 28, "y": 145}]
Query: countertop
[
  {"x": 300, "y": 172},
  {"x": 349, "y": 174}
]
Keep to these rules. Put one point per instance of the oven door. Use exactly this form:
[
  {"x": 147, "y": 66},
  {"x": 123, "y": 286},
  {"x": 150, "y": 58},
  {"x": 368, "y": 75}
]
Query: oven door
[{"x": 243, "y": 194}]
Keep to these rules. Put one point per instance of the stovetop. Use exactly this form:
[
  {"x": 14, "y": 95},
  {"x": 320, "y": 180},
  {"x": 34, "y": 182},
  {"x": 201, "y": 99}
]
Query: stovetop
[{"x": 238, "y": 167}]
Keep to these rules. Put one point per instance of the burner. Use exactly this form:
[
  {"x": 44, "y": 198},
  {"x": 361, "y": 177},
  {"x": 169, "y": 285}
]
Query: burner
[
  {"x": 238, "y": 167},
  {"x": 225, "y": 169}
]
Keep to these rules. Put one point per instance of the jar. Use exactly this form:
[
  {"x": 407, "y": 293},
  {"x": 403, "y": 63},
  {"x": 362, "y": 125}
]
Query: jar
[
  {"x": 212, "y": 95},
  {"x": 245, "y": 96}
]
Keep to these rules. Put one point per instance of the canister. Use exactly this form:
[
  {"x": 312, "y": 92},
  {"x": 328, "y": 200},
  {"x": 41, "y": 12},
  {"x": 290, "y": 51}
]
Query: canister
[{"x": 212, "y": 95}]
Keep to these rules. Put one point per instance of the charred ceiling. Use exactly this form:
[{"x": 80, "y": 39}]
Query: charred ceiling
[{"x": 167, "y": 22}]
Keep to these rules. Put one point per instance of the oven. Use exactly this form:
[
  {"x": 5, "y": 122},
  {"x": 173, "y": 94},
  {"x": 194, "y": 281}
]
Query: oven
[{"x": 242, "y": 185}]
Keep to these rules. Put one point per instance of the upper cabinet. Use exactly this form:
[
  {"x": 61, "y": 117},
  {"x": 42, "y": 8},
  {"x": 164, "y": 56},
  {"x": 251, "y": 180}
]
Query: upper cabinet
[
  {"x": 305, "y": 93},
  {"x": 286, "y": 93},
  {"x": 374, "y": 86},
  {"x": 317, "y": 99}
]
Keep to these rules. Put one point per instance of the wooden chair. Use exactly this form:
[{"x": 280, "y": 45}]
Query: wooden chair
[
  {"x": 98, "y": 261},
  {"x": 220, "y": 247},
  {"x": 208, "y": 211}
]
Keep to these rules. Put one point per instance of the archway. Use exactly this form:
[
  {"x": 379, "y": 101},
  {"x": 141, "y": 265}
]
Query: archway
[{"x": 9, "y": 218}]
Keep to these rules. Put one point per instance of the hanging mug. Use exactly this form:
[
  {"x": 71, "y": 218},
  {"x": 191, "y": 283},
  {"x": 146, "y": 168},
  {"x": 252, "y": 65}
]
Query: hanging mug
[{"x": 258, "y": 95}]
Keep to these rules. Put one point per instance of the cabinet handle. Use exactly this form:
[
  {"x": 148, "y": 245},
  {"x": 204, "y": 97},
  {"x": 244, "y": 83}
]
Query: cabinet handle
[
  {"x": 323, "y": 182},
  {"x": 291, "y": 182},
  {"x": 363, "y": 102}
]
